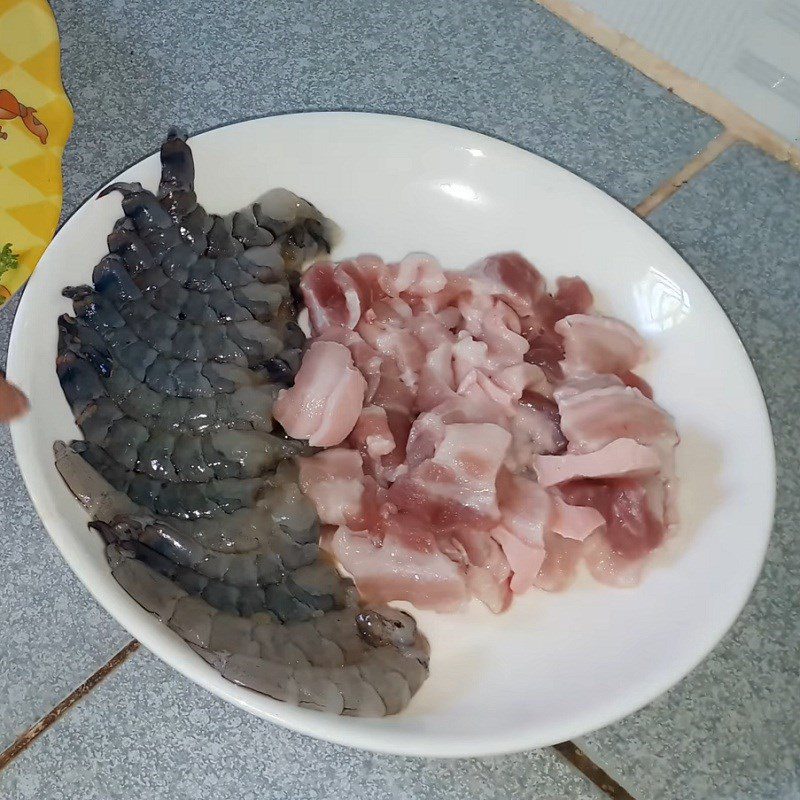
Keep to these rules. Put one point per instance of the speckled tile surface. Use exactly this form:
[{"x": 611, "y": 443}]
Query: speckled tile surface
[
  {"x": 503, "y": 67},
  {"x": 52, "y": 633},
  {"x": 731, "y": 730},
  {"x": 148, "y": 732}
]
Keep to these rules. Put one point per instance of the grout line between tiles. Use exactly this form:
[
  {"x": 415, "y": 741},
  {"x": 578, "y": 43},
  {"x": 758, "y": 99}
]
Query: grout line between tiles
[
  {"x": 715, "y": 148},
  {"x": 598, "y": 776},
  {"x": 700, "y": 95},
  {"x": 35, "y": 731}
]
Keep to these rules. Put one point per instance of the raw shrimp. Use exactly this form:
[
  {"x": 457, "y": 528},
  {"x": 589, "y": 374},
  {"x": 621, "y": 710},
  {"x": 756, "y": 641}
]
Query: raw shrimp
[
  {"x": 255, "y": 300},
  {"x": 241, "y": 584},
  {"x": 176, "y": 190},
  {"x": 353, "y": 662},
  {"x": 181, "y": 457},
  {"x": 171, "y": 366},
  {"x": 182, "y": 500},
  {"x": 86, "y": 374},
  {"x": 250, "y": 343},
  {"x": 117, "y": 346},
  {"x": 345, "y": 660},
  {"x": 174, "y": 548},
  {"x": 164, "y": 374},
  {"x": 280, "y": 215},
  {"x": 226, "y": 263}
]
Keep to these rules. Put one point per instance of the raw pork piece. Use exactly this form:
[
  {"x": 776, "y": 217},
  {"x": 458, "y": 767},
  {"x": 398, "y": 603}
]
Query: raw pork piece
[
  {"x": 617, "y": 459},
  {"x": 599, "y": 344},
  {"x": 334, "y": 482},
  {"x": 457, "y": 485},
  {"x": 325, "y": 402},
  {"x": 502, "y": 438}
]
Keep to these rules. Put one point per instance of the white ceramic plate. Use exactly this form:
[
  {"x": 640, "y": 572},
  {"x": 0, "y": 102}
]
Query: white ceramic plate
[{"x": 554, "y": 666}]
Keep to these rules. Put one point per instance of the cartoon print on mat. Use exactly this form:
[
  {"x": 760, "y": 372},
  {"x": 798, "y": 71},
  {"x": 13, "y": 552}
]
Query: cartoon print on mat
[
  {"x": 35, "y": 121},
  {"x": 10, "y": 108},
  {"x": 8, "y": 260}
]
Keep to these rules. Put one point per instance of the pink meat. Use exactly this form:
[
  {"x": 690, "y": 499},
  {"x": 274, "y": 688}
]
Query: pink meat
[
  {"x": 573, "y": 296},
  {"x": 397, "y": 400},
  {"x": 371, "y": 434},
  {"x": 473, "y": 382},
  {"x": 326, "y": 302},
  {"x": 431, "y": 330},
  {"x": 560, "y": 564},
  {"x": 363, "y": 275},
  {"x": 425, "y": 435},
  {"x": 608, "y": 566},
  {"x": 477, "y": 383},
  {"x": 326, "y": 399},
  {"x": 417, "y": 274},
  {"x": 546, "y": 346},
  {"x": 617, "y": 459},
  {"x": 532, "y": 432},
  {"x": 520, "y": 378},
  {"x": 394, "y": 464},
  {"x": 496, "y": 327},
  {"x": 573, "y": 521},
  {"x": 578, "y": 384},
  {"x": 524, "y": 560},
  {"x": 526, "y": 508},
  {"x": 334, "y": 481},
  {"x": 408, "y": 565},
  {"x": 590, "y": 420},
  {"x": 428, "y": 429},
  {"x": 468, "y": 355},
  {"x": 509, "y": 277},
  {"x": 474, "y": 308},
  {"x": 457, "y": 486},
  {"x": 490, "y": 581},
  {"x": 599, "y": 344},
  {"x": 545, "y": 349},
  {"x": 367, "y": 359},
  {"x": 632, "y": 528},
  {"x": 436, "y": 379},
  {"x": 338, "y": 294},
  {"x": 637, "y": 382},
  {"x": 385, "y": 328}
]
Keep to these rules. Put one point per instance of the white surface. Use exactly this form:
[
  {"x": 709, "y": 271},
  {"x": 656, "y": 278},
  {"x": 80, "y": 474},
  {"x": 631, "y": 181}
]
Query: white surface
[
  {"x": 554, "y": 666},
  {"x": 748, "y": 50}
]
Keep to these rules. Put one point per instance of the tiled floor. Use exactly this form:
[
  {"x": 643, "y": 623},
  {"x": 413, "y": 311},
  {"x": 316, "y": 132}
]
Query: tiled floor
[
  {"x": 147, "y": 732},
  {"x": 508, "y": 68},
  {"x": 503, "y": 67}
]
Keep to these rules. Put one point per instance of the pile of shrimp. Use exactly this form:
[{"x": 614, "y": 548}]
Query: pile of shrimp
[{"x": 171, "y": 362}]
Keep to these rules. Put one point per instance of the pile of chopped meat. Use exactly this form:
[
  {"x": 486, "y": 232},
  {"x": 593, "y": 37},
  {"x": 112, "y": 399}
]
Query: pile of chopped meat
[{"x": 482, "y": 436}]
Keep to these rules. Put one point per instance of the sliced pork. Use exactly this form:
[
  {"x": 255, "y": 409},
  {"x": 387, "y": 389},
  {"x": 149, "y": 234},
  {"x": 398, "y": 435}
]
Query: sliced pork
[
  {"x": 406, "y": 565},
  {"x": 592, "y": 419},
  {"x": 617, "y": 459},
  {"x": 334, "y": 481},
  {"x": 458, "y": 485},
  {"x": 599, "y": 344},
  {"x": 487, "y": 437},
  {"x": 325, "y": 402}
]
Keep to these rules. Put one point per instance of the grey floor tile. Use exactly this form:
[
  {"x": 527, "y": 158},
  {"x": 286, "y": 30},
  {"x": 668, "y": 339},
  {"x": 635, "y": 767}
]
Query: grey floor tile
[
  {"x": 52, "y": 633},
  {"x": 503, "y": 67},
  {"x": 731, "y": 730},
  {"x": 148, "y": 732}
]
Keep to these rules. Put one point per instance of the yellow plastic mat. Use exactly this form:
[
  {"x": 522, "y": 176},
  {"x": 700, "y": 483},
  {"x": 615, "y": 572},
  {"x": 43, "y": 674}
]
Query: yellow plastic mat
[{"x": 35, "y": 122}]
